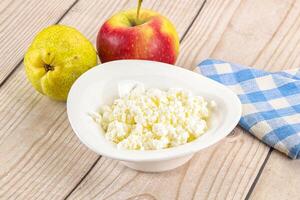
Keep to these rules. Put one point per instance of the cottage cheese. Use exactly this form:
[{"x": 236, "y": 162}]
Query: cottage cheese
[{"x": 154, "y": 119}]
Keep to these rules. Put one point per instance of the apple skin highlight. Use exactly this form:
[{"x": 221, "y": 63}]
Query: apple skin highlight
[{"x": 153, "y": 37}]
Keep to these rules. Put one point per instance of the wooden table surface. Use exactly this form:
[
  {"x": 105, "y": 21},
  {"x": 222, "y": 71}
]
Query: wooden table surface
[{"x": 40, "y": 156}]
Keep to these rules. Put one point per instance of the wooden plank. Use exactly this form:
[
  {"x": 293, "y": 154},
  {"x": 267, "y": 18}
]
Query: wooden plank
[
  {"x": 40, "y": 156},
  {"x": 209, "y": 175},
  {"x": 237, "y": 31},
  {"x": 19, "y": 22},
  {"x": 280, "y": 179},
  {"x": 249, "y": 30}
]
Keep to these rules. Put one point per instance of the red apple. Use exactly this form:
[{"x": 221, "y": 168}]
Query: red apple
[{"x": 150, "y": 37}]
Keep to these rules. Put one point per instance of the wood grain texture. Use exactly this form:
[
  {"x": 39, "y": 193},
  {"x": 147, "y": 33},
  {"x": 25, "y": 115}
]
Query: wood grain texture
[
  {"x": 280, "y": 179},
  {"x": 240, "y": 32},
  {"x": 19, "y": 22},
  {"x": 214, "y": 173},
  {"x": 40, "y": 156},
  {"x": 237, "y": 31}
]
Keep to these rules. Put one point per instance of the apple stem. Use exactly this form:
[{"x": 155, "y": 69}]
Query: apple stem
[{"x": 138, "y": 10}]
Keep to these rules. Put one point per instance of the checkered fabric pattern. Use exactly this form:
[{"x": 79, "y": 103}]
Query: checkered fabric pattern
[{"x": 271, "y": 102}]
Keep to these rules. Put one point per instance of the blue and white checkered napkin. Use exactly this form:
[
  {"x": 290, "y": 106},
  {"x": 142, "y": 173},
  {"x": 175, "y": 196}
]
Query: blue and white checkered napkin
[{"x": 271, "y": 102}]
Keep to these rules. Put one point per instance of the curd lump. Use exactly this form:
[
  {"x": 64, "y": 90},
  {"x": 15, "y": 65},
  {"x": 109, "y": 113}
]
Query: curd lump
[{"x": 155, "y": 119}]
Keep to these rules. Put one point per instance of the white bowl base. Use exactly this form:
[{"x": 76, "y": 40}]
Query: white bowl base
[{"x": 158, "y": 166}]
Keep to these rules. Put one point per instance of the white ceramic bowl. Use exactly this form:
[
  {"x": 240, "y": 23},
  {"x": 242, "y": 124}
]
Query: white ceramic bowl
[{"x": 99, "y": 86}]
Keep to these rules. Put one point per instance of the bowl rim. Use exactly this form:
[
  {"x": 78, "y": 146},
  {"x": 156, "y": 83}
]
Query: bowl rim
[{"x": 152, "y": 155}]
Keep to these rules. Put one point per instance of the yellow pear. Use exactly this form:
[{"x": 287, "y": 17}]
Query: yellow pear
[{"x": 57, "y": 56}]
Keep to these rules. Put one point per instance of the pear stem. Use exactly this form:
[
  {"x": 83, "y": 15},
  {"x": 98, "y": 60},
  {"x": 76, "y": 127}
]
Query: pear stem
[{"x": 138, "y": 10}]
